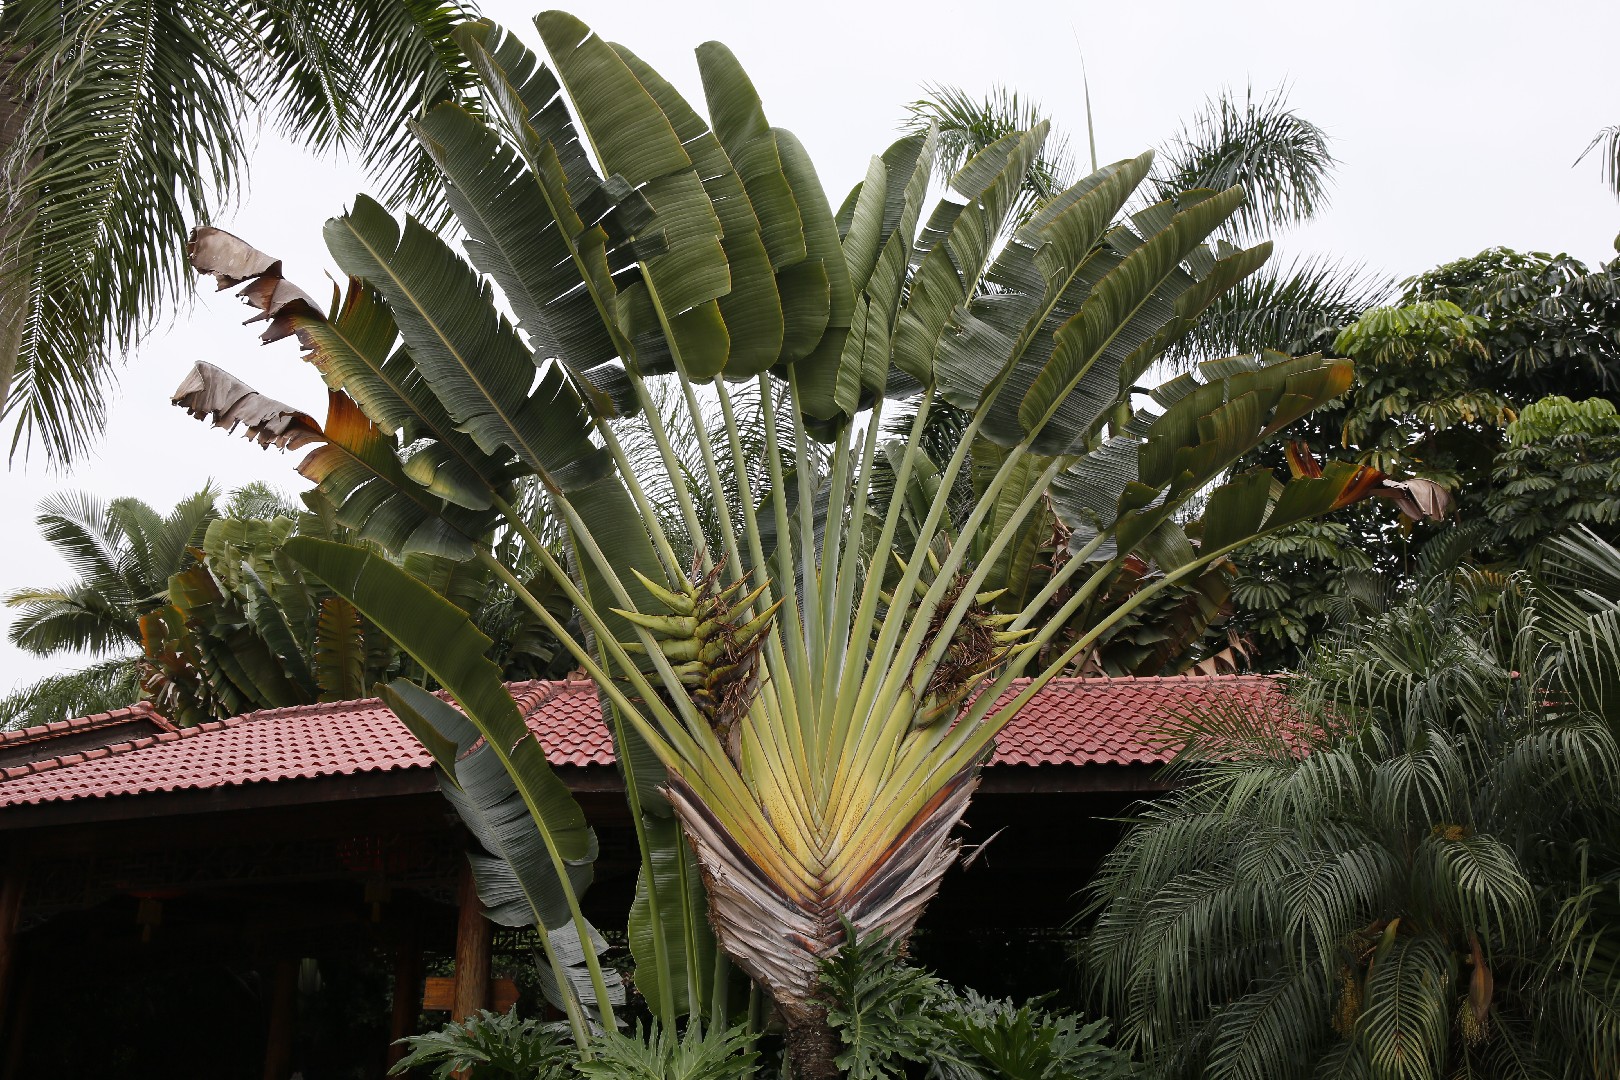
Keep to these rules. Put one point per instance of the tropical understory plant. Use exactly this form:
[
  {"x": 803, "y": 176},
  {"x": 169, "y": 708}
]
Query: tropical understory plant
[
  {"x": 892, "y": 1020},
  {"x": 1410, "y": 873},
  {"x": 201, "y": 613},
  {"x": 800, "y": 711},
  {"x": 122, "y": 554}
]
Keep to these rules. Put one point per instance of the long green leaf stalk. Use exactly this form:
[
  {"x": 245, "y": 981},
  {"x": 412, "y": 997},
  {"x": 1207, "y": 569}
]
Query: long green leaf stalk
[{"x": 819, "y": 717}]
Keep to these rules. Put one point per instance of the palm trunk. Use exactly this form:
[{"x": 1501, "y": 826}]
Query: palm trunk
[
  {"x": 16, "y": 216},
  {"x": 812, "y": 1048}
]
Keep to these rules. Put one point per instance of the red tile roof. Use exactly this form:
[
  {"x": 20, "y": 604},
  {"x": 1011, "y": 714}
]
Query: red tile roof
[
  {"x": 81, "y": 733},
  {"x": 1070, "y": 722},
  {"x": 1112, "y": 721}
]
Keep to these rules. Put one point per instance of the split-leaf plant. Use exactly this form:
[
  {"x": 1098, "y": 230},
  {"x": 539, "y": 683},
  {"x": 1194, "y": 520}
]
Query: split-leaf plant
[{"x": 801, "y": 714}]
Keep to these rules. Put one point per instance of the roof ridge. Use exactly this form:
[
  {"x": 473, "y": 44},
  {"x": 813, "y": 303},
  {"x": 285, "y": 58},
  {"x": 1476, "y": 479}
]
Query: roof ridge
[
  {"x": 29, "y": 768},
  {"x": 138, "y": 709},
  {"x": 344, "y": 706}
]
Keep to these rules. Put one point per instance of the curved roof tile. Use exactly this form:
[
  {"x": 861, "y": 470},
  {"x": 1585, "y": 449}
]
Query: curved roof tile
[{"x": 1069, "y": 722}]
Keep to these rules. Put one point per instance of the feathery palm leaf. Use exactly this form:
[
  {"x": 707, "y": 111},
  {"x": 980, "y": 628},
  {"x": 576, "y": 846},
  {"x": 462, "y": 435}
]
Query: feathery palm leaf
[
  {"x": 123, "y": 122},
  {"x": 1389, "y": 848},
  {"x": 1280, "y": 159},
  {"x": 123, "y": 554},
  {"x": 110, "y": 684},
  {"x": 1298, "y": 308},
  {"x": 966, "y": 124}
]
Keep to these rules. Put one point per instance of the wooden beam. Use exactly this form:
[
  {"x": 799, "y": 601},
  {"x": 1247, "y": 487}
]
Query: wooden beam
[
  {"x": 407, "y": 988},
  {"x": 283, "y": 1016},
  {"x": 474, "y": 936}
]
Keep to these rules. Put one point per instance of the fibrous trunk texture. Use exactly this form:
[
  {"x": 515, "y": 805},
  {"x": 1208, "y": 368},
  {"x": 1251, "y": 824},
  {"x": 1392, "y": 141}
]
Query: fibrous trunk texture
[
  {"x": 779, "y": 937},
  {"x": 812, "y": 1048}
]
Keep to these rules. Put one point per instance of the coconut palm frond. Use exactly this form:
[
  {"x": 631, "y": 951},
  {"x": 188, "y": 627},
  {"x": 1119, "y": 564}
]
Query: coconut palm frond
[
  {"x": 259, "y": 501},
  {"x": 135, "y": 131},
  {"x": 122, "y": 553},
  {"x": 1297, "y": 308},
  {"x": 125, "y": 122},
  {"x": 1280, "y": 159},
  {"x": 110, "y": 684},
  {"x": 342, "y": 76},
  {"x": 967, "y": 124}
]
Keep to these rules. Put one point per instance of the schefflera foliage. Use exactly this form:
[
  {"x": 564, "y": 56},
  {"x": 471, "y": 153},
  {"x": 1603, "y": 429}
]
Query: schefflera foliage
[{"x": 801, "y": 701}]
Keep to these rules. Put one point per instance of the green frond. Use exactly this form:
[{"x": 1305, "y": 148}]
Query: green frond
[
  {"x": 1606, "y": 143},
  {"x": 133, "y": 134},
  {"x": 1389, "y": 838},
  {"x": 1297, "y": 308},
  {"x": 123, "y": 552},
  {"x": 967, "y": 124},
  {"x": 135, "y": 127},
  {"x": 1280, "y": 159},
  {"x": 111, "y": 684}
]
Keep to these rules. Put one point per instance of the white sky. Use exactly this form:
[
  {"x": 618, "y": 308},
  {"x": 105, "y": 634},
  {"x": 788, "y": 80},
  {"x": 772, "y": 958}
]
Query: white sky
[{"x": 1456, "y": 124}]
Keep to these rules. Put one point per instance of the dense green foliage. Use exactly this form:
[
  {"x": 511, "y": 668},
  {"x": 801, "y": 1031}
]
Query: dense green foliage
[
  {"x": 491, "y": 1046},
  {"x": 1551, "y": 325},
  {"x": 1413, "y": 874},
  {"x": 1560, "y": 468},
  {"x": 122, "y": 123},
  {"x": 896, "y": 1020},
  {"x": 1441, "y": 379},
  {"x": 893, "y": 1021}
]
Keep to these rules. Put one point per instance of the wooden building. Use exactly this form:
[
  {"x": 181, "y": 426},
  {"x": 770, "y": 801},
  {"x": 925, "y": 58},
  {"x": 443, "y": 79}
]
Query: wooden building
[{"x": 268, "y": 895}]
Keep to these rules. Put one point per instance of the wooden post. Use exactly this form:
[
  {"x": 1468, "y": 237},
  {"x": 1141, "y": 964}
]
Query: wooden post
[
  {"x": 407, "y": 996},
  {"x": 12, "y": 886},
  {"x": 283, "y": 1015},
  {"x": 474, "y": 935},
  {"x": 22, "y": 1012}
]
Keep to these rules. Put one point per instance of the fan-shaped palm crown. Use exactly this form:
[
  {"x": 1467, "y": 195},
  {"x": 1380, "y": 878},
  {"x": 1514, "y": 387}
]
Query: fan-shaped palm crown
[{"x": 814, "y": 696}]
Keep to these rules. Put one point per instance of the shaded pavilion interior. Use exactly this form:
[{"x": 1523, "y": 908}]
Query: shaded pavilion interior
[{"x": 269, "y": 896}]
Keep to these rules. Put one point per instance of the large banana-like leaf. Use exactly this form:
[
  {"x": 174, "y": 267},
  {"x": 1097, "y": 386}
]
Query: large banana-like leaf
[
  {"x": 359, "y": 469},
  {"x": 468, "y": 353},
  {"x": 244, "y": 670},
  {"x": 340, "y": 651},
  {"x": 515, "y": 876},
  {"x": 511, "y": 796}
]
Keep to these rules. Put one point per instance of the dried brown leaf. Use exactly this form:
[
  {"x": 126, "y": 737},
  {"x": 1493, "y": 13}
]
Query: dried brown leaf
[
  {"x": 232, "y": 261},
  {"x": 211, "y": 392}
]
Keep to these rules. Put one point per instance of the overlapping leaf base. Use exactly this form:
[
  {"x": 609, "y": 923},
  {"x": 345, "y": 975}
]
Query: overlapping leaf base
[{"x": 779, "y": 937}]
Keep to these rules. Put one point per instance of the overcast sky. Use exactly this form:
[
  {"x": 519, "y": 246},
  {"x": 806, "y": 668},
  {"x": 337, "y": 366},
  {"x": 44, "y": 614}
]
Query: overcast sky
[{"x": 1456, "y": 125}]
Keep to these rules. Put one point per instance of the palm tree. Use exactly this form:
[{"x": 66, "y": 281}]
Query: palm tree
[
  {"x": 98, "y": 687},
  {"x": 811, "y": 708},
  {"x": 1279, "y": 158},
  {"x": 123, "y": 120},
  {"x": 123, "y": 553},
  {"x": 1409, "y": 873}
]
